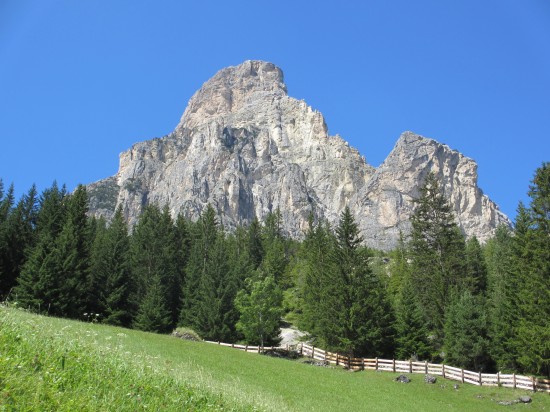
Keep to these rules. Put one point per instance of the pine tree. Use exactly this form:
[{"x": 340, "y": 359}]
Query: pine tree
[
  {"x": 260, "y": 311},
  {"x": 466, "y": 341},
  {"x": 437, "y": 253}
]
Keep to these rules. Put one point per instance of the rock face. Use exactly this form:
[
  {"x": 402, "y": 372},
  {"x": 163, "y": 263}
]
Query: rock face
[{"x": 247, "y": 148}]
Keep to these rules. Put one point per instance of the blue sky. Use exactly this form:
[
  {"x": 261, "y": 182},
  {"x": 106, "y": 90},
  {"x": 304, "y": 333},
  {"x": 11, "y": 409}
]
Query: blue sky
[{"x": 81, "y": 81}]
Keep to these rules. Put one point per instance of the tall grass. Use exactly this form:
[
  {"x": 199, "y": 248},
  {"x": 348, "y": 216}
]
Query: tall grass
[{"x": 49, "y": 364}]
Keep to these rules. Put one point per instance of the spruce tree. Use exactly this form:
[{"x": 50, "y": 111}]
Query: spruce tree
[
  {"x": 437, "y": 254},
  {"x": 315, "y": 283},
  {"x": 6, "y": 211},
  {"x": 110, "y": 271},
  {"x": 153, "y": 314},
  {"x": 412, "y": 334},
  {"x": 275, "y": 258},
  {"x": 72, "y": 258},
  {"x": 466, "y": 342},
  {"x": 38, "y": 284},
  {"x": 364, "y": 323},
  {"x": 17, "y": 234},
  {"x": 476, "y": 267},
  {"x": 501, "y": 299},
  {"x": 533, "y": 246},
  {"x": 154, "y": 252},
  {"x": 210, "y": 283},
  {"x": 260, "y": 311},
  {"x": 203, "y": 236},
  {"x": 255, "y": 246}
]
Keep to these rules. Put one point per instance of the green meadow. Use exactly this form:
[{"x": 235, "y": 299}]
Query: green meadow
[{"x": 51, "y": 364}]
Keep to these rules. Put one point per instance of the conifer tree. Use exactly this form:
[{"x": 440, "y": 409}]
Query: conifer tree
[
  {"x": 38, "y": 284},
  {"x": 153, "y": 314},
  {"x": 364, "y": 325},
  {"x": 203, "y": 236},
  {"x": 437, "y": 253},
  {"x": 315, "y": 284},
  {"x": 72, "y": 258},
  {"x": 466, "y": 342},
  {"x": 275, "y": 258},
  {"x": 110, "y": 272},
  {"x": 153, "y": 252},
  {"x": 210, "y": 284},
  {"x": 533, "y": 246},
  {"x": 255, "y": 246},
  {"x": 412, "y": 334},
  {"x": 399, "y": 270},
  {"x": 260, "y": 311},
  {"x": 476, "y": 267},
  {"x": 17, "y": 234},
  {"x": 501, "y": 292}
]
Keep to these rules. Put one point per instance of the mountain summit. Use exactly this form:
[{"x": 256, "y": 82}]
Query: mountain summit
[{"x": 247, "y": 148}]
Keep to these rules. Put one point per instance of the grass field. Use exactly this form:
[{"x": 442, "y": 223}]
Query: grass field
[{"x": 49, "y": 364}]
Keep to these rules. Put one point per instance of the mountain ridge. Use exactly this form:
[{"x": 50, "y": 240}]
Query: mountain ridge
[{"x": 246, "y": 147}]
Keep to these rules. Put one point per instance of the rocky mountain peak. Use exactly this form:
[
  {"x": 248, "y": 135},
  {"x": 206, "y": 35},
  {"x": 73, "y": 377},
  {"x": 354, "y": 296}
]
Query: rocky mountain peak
[
  {"x": 247, "y": 148},
  {"x": 232, "y": 88}
]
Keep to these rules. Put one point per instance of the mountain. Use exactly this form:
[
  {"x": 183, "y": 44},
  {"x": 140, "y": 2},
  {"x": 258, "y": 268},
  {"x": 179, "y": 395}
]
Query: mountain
[{"x": 247, "y": 148}]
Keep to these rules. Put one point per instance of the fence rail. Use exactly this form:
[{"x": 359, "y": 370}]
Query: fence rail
[{"x": 391, "y": 365}]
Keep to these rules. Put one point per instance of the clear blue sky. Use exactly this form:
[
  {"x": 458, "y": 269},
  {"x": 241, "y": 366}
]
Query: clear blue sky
[{"x": 81, "y": 81}]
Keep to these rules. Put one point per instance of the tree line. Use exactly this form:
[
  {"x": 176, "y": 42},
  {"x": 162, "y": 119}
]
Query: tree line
[{"x": 438, "y": 296}]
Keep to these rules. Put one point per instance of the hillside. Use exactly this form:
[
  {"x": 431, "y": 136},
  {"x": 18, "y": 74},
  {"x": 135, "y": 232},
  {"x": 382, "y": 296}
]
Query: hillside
[{"x": 55, "y": 364}]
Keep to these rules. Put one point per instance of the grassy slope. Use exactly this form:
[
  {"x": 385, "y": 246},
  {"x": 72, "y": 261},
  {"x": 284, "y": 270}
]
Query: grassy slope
[{"x": 56, "y": 364}]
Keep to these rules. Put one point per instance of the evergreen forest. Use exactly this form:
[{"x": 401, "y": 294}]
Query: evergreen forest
[{"x": 438, "y": 296}]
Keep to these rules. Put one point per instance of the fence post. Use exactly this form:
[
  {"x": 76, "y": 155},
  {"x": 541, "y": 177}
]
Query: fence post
[
  {"x": 443, "y": 371},
  {"x": 336, "y": 358},
  {"x": 312, "y": 352},
  {"x": 426, "y": 365},
  {"x": 349, "y": 362},
  {"x": 232, "y": 345},
  {"x": 302, "y": 349},
  {"x": 514, "y": 376},
  {"x": 462, "y": 375},
  {"x": 376, "y": 365},
  {"x": 534, "y": 380},
  {"x": 410, "y": 366},
  {"x": 246, "y": 348},
  {"x": 258, "y": 348},
  {"x": 498, "y": 378},
  {"x": 362, "y": 364},
  {"x": 394, "y": 365},
  {"x": 480, "y": 382}
]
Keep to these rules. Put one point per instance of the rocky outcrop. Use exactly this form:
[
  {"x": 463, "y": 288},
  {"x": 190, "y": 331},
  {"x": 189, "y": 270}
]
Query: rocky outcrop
[{"x": 247, "y": 148}]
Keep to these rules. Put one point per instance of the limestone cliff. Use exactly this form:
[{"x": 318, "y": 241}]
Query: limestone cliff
[{"x": 244, "y": 146}]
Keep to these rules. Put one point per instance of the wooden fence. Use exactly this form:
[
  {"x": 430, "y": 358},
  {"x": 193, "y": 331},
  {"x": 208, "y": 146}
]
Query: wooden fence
[{"x": 392, "y": 365}]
